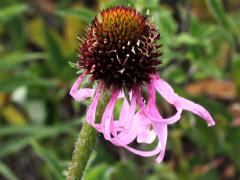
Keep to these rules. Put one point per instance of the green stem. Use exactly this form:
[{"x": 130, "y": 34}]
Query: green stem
[
  {"x": 85, "y": 143},
  {"x": 83, "y": 149}
]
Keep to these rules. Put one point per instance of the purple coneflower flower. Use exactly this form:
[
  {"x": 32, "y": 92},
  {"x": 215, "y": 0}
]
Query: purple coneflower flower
[{"x": 120, "y": 55}]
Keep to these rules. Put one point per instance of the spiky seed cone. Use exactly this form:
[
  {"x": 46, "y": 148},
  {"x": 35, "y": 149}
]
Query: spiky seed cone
[{"x": 120, "y": 48}]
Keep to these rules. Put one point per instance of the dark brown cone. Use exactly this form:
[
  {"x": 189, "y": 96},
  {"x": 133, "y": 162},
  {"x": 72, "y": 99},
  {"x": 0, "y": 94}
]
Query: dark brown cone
[{"x": 120, "y": 48}]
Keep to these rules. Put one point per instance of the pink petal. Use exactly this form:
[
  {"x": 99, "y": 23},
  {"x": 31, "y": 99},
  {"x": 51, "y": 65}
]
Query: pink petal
[
  {"x": 198, "y": 110},
  {"x": 145, "y": 134},
  {"x": 132, "y": 129},
  {"x": 107, "y": 118},
  {"x": 128, "y": 110},
  {"x": 156, "y": 151},
  {"x": 91, "y": 112},
  {"x": 128, "y": 133},
  {"x": 151, "y": 110},
  {"x": 133, "y": 134},
  {"x": 129, "y": 123},
  {"x": 162, "y": 133},
  {"x": 82, "y": 94},
  {"x": 181, "y": 103},
  {"x": 124, "y": 113}
]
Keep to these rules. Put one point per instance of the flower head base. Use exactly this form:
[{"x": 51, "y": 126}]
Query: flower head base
[
  {"x": 120, "y": 51},
  {"x": 120, "y": 48}
]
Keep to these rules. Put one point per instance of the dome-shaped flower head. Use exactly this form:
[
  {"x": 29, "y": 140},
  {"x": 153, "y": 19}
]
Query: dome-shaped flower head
[{"x": 120, "y": 55}]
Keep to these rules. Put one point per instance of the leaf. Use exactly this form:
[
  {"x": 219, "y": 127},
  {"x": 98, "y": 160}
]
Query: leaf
[
  {"x": 216, "y": 8},
  {"x": 6, "y": 172},
  {"x": 126, "y": 94},
  {"x": 9, "y": 84},
  {"x": 178, "y": 74},
  {"x": 13, "y": 116},
  {"x": 206, "y": 69},
  {"x": 73, "y": 27},
  {"x": 228, "y": 23},
  {"x": 55, "y": 60},
  {"x": 186, "y": 38},
  {"x": 235, "y": 71},
  {"x": 13, "y": 146},
  {"x": 205, "y": 138},
  {"x": 124, "y": 170},
  {"x": 166, "y": 24},
  {"x": 12, "y": 82},
  {"x": 112, "y": 3},
  {"x": 73, "y": 65},
  {"x": 232, "y": 140},
  {"x": 50, "y": 158},
  {"x": 163, "y": 171},
  {"x": 83, "y": 13},
  {"x": 13, "y": 59},
  {"x": 97, "y": 172},
  {"x": 12, "y": 11},
  {"x": 35, "y": 31},
  {"x": 38, "y": 131},
  {"x": 34, "y": 133}
]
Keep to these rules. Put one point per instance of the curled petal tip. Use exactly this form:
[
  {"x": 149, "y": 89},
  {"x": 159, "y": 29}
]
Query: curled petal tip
[
  {"x": 82, "y": 94},
  {"x": 158, "y": 160},
  {"x": 179, "y": 102},
  {"x": 211, "y": 123},
  {"x": 204, "y": 114}
]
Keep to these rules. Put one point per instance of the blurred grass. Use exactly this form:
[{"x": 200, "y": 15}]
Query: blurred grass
[{"x": 39, "y": 121}]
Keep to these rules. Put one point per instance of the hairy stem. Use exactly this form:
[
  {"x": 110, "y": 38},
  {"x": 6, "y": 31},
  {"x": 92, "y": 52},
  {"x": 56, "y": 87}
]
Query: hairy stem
[
  {"x": 85, "y": 143},
  {"x": 83, "y": 148}
]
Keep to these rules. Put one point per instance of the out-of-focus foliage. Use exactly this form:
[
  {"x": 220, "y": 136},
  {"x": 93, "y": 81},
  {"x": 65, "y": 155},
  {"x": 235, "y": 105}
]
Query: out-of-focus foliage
[{"x": 39, "y": 121}]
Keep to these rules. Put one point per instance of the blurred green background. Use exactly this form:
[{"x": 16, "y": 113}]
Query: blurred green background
[{"x": 39, "y": 121}]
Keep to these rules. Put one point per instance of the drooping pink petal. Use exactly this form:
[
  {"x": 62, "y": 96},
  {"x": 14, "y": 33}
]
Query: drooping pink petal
[
  {"x": 198, "y": 110},
  {"x": 132, "y": 129},
  {"x": 91, "y": 112},
  {"x": 145, "y": 133},
  {"x": 107, "y": 118},
  {"x": 168, "y": 93},
  {"x": 151, "y": 110},
  {"x": 130, "y": 112},
  {"x": 123, "y": 114},
  {"x": 129, "y": 125},
  {"x": 81, "y": 94},
  {"x": 125, "y": 136},
  {"x": 147, "y": 136},
  {"x": 162, "y": 133},
  {"x": 153, "y": 152},
  {"x": 149, "y": 153}
]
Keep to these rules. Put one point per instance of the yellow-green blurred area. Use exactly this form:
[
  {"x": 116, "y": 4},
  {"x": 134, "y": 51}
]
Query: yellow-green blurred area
[{"x": 39, "y": 121}]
